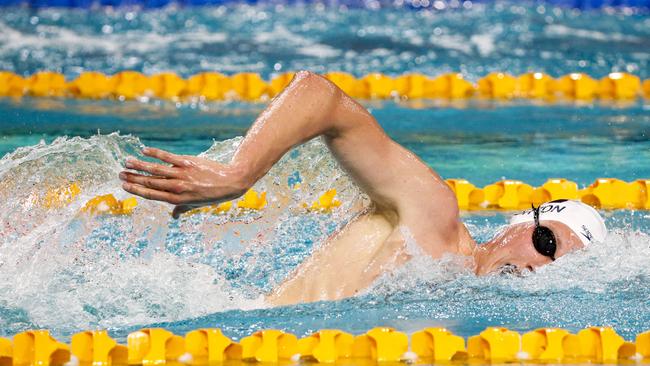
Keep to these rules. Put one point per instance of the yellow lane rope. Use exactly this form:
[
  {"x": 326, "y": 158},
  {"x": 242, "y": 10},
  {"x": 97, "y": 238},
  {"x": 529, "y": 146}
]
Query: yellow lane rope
[
  {"x": 213, "y": 86},
  {"x": 603, "y": 193},
  {"x": 209, "y": 346}
]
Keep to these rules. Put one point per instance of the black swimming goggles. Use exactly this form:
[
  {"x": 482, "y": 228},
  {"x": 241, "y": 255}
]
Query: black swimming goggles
[{"x": 543, "y": 238}]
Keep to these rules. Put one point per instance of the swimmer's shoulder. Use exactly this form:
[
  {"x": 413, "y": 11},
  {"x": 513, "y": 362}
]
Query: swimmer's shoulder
[{"x": 433, "y": 219}]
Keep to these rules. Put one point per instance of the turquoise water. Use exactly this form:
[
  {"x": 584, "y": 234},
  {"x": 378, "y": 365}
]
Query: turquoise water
[
  {"x": 483, "y": 143},
  {"x": 472, "y": 38},
  {"x": 66, "y": 271}
]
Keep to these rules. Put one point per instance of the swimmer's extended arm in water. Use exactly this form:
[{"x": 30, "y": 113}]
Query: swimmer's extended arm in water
[{"x": 310, "y": 106}]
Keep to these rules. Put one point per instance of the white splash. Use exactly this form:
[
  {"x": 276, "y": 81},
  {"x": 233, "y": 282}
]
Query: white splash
[{"x": 79, "y": 272}]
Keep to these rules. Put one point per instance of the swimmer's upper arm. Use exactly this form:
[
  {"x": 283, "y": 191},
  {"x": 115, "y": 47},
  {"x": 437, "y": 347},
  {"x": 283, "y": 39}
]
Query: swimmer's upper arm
[
  {"x": 310, "y": 106},
  {"x": 395, "y": 178}
]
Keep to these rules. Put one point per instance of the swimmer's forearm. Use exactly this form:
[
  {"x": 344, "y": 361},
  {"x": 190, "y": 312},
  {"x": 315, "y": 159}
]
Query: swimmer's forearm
[{"x": 309, "y": 107}]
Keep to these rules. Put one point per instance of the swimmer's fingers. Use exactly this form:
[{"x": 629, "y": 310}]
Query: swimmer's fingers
[
  {"x": 181, "y": 209},
  {"x": 162, "y": 184},
  {"x": 151, "y": 194},
  {"x": 177, "y": 160},
  {"x": 151, "y": 168}
]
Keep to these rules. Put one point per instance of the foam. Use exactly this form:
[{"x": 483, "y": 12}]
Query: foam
[{"x": 80, "y": 272}]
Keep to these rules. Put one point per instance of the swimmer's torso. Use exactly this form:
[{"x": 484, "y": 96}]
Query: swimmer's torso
[{"x": 346, "y": 264}]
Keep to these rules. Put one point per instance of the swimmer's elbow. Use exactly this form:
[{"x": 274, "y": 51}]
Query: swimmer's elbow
[
  {"x": 312, "y": 85},
  {"x": 305, "y": 77}
]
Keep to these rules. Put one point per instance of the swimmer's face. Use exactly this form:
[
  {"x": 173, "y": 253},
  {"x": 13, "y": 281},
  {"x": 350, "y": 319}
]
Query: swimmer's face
[{"x": 512, "y": 249}]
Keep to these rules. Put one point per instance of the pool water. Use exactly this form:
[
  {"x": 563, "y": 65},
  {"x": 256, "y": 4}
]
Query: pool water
[
  {"x": 470, "y": 37},
  {"x": 67, "y": 271}
]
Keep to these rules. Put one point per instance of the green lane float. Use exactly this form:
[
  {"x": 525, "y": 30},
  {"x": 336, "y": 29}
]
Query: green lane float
[
  {"x": 247, "y": 86},
  {"x": 207, "y": 346}
]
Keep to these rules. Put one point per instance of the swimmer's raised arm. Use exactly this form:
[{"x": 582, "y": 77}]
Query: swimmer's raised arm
[{"x": 394, "y": 178}]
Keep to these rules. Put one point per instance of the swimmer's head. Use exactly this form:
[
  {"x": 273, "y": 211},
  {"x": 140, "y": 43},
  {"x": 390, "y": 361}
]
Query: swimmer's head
[{"x": 538, "y": 236}]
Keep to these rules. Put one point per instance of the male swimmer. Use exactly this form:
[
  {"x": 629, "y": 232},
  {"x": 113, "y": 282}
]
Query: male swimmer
[{"x": 409, "y": 198}]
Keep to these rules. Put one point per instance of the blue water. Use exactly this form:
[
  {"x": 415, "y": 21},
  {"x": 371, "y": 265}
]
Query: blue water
[
  {"x": 66, "y": 271},
  {"x": 498, "y": 36},
  {"x": 484, "y": 143}
]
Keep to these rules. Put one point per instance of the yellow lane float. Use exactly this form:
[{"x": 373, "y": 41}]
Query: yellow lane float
[
  {"x": 497, "y": 85},
  {"x": 555, "y": 189},
  {"x": 576, "y": 86},
  {"x": 643, "y": 344},
  {"x": 378, "y": 86},
  {"x": 97, "y": 348},
  {"x": 534, "y": 85},
  {"x": 452, "y": 86},
  {"x": 91, "y": 85},
  {"x": 611, "y": 193},
  {"x": 494, "y": 344},
  {"x": 6, "y": 352},
  {"x": 251, "y": 87},
  {"x": 280, "y": 82},
  {"x": 326, "y": 346},
  {"x": 507, "y": 194},
  {"x": 604, "y": 193},
  {"x": 208, "y": 346},
  {"x": 130, "y": 85},
  {"x": 38, "y": 347},
  {"x": 60, "y": 197},
  {"x": 46, "y": 84},
  {"x": 108, "y": 204},
  {"x": 414, "y": 86},
  {"x": 167, "y": 85},
  {"x": 154, "y": 346},
  {"x": 325, "y": 202},
  {"x": 438, "y": 344},
  {"x": 381, "y": 344},
  {"x": 12, "y": 85},
  {"x": 269, "y": 346},
  {"x": 547, "y": 344},
  {"x": 208, "y": 85},
  {"x": 348, "y": 83},
  {"x": 252, "y": 200},
  {"x": 619, "y": 85}
]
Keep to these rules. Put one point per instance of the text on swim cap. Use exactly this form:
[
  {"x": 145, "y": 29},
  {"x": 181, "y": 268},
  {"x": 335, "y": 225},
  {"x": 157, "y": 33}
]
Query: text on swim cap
[{"x": 546, "y": 208}]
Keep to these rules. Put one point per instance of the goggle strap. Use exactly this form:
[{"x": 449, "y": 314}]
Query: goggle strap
[{"x": 536, "y": 213}]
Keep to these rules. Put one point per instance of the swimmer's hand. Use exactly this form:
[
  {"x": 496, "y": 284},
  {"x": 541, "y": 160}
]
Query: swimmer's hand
[{"x": 189, "y": 182}]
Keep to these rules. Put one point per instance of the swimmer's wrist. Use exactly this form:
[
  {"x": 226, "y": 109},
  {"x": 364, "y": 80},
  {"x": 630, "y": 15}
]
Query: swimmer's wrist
[{"x": 243, "y": 176}]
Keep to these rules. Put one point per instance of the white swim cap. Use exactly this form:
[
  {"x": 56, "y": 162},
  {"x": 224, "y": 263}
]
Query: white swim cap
[{"x": 583, "y": 219}]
